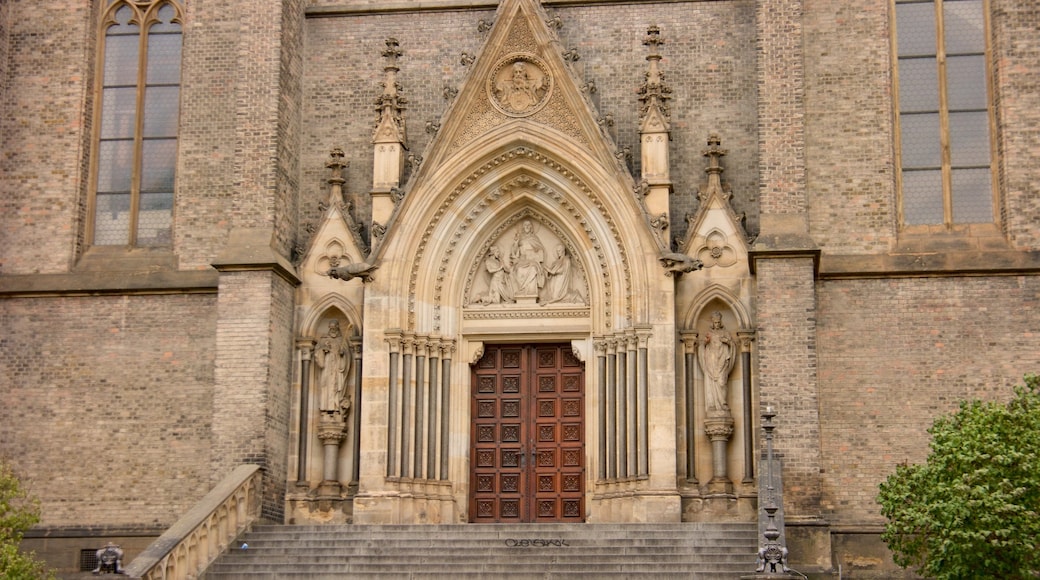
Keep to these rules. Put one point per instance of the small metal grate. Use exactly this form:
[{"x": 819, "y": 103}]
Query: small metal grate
[{"x": 87, "y": 559}]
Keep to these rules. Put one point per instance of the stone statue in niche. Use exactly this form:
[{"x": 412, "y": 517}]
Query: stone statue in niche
[
  {"x": 333, "y": 358},
  {"x": 527, "y": 256},
  {"x": 717, "y": 355}
]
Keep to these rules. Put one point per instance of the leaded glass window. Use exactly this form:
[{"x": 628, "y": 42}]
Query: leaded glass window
[
  {"x": 943, "y": 121},
  {"x": 139, "y": 104}
]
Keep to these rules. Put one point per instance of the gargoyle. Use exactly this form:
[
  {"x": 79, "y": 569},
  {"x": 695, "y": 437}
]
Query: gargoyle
[
  {"x": 679, "y": 264},
  {"x": 361, "y": 270}
]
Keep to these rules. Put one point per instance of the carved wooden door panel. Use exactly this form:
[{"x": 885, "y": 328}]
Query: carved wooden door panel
[{"x": 527, "y": 460}]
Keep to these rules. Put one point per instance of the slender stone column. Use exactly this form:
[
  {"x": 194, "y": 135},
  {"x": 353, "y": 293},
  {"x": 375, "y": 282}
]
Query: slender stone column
[
  {"x": 601, "y": 385},
  {"x": 447, "y": 348},
  {"x": 306, "y": 348},
  {"x": 431, "y": 414},
  {"x": 408, "y": 347},
  {"x": 746, "y": 336},
  {"x": 632, "y": 394},
  {"x": 393, "y": 337},
  {"x": 689, "y": 340},
  {"x": 355, "y": 470},
  {"x": 643, "y": 399},
  {"x": 421, "y": 352},
  {"x": 611, "y": 425},
  {"x": 622, "y": 408}
]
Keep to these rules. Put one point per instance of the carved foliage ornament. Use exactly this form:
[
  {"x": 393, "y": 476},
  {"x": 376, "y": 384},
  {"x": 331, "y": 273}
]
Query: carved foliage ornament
[{"x": 519, "y": 85}]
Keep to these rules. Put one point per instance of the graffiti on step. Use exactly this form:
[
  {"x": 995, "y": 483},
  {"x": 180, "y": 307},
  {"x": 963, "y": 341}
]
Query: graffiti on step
[{"x": 536, "y": 543}]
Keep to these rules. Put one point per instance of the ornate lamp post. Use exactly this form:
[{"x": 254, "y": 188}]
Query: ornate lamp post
[{"x": 772, "y": 554}]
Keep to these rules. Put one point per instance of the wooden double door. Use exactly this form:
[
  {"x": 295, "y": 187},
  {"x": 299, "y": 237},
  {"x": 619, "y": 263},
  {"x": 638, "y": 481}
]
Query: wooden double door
[{"x": 527, "y": 456}]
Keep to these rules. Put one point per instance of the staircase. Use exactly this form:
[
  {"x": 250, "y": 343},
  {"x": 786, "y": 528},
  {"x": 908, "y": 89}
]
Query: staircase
[{"x": 492, "y": 551}]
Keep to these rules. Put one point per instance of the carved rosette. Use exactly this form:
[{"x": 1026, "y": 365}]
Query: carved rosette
[{"x": 519, "y": 85}]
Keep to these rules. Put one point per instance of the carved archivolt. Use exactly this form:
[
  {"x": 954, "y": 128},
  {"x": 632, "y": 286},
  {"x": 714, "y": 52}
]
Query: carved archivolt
[{"x": 561, "y": 201}]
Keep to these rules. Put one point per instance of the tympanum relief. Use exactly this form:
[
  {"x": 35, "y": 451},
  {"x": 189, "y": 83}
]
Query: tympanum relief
[{"x": 527, "y": 265}]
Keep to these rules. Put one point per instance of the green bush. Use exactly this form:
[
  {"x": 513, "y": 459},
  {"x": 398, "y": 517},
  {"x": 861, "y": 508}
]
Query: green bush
[
  {"x": 972, "y": 510},
  {"x": 19, "y": 511}
]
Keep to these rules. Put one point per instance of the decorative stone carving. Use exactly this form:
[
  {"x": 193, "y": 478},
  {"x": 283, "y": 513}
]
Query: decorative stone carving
[
  {"x": 362, "y": 270},
  {"x": 519, "y": 85},
  {"x": 717, "y": 251},
  {"x": 538, "y": 269},
  {"x": 676, "y": 263},
  {"x": 527, "y": 256},
  {"x": 333, "y": 358},
  {"x": 559, "y": 282},
  {"x": 500, "y": 284},
  {"x": 716, "y": 357}
]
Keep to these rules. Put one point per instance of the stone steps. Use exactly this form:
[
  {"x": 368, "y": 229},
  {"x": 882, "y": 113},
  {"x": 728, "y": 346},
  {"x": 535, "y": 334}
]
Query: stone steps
[{"x": 514, "y": 551}]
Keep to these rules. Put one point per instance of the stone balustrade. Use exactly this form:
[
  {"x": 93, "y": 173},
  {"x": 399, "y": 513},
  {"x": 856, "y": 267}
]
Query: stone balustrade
[{"x": 204, "y": 532}]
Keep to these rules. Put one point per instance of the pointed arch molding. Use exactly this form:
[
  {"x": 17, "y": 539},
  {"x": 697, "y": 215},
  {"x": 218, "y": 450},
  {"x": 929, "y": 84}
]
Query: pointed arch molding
[
  {"x": 497, "y": 190},
  {"x": 711, "y": 294},
  {"x": 318, "y": 312}
]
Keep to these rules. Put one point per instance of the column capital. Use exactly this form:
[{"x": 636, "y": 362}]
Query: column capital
[
  {"x": 306, "y": 347},
  {"x": 746, "y": 336},
  {"x": 393, "y": 337}
]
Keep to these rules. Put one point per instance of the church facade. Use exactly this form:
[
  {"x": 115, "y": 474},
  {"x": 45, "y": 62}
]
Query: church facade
[{"x": 462, "y": 261}]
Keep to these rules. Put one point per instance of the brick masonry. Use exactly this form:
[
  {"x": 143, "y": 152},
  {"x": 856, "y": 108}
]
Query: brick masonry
[
  {"x": 106, "y": 404},
  {"x": 896, "y": 353},
  {"x": 183, "y": 386}
]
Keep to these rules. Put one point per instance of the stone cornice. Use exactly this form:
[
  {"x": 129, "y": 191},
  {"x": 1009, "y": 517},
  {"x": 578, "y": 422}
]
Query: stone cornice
[
  {"x": 389, "y": 6},
  {"x": 99, "y": 282},
  {"x": 249, "y": 250},
  {"x": 929, "y": 264}
]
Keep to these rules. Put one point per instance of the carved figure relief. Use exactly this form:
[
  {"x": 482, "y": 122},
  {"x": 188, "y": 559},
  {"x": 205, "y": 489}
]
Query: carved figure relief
[
  {"x": 333, "y": 358},
  {"x": 500, "y": 285},
  {"x": 538, "y": 269},
  {"x": 527, "y": 255},
  {"x": 716, "y": 357},
  {"x": 519, "y": 85}
]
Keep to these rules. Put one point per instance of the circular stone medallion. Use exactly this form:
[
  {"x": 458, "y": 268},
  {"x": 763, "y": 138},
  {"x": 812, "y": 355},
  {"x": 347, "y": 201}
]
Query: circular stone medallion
[{"x": 520, "y": 85}]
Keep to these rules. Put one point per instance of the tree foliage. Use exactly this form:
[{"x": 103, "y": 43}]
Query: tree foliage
[
  {"x": 972, "y": 510},
  {"x": 19, "y": 511}
]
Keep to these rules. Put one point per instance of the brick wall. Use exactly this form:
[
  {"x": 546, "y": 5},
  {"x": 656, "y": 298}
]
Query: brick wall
[
  {"x": 1016, "y": 57},
  {"x": 106, "y": 402},
  {"x": 787, "y": 381},
  {"x": 42, "y": 164},
  {"x": 896, "y": 353},
  {"x": 252, "y": 378},
  {"x": 849, "y": 145}
]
